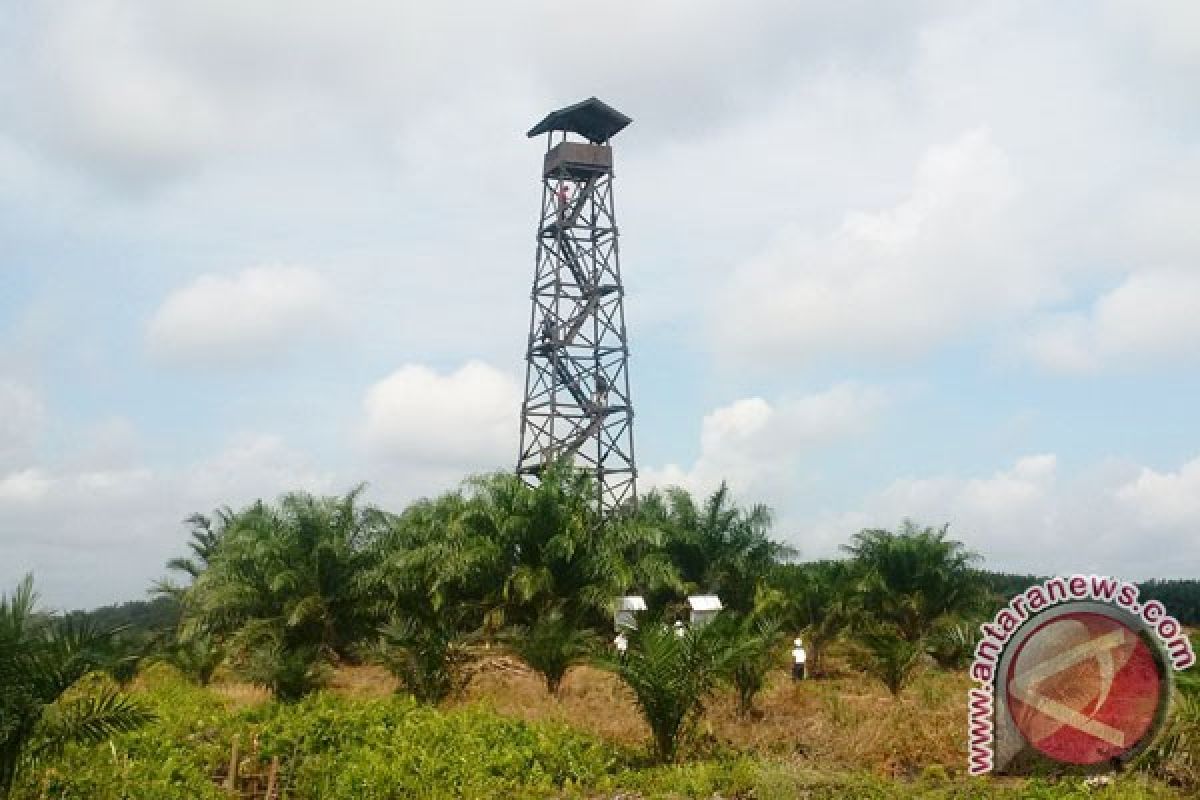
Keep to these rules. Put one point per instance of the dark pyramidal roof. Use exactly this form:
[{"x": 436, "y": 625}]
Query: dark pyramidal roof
[{"x": 591, "y": 119}]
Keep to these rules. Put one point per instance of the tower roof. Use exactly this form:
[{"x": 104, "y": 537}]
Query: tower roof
[{"x": 591, "y": 119}]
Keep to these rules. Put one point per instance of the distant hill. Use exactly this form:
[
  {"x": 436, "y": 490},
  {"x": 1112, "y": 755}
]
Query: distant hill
[{"x": 140, "y": 619}]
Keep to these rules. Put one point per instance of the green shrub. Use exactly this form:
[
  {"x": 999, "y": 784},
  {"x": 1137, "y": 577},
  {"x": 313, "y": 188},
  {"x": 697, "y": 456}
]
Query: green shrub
[
  {"x": 338, "y": 748},
  {"x": 332, "y": 748}
]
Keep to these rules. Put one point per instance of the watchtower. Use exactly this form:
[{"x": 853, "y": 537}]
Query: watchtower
[{"x": 577, "y": 408}]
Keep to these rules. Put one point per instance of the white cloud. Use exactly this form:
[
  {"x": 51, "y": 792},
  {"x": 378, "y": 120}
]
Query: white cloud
[
  {"x": 25, "y": 487},
  {"x": 251, "y": 466},
  {"x": 21, "y": 418},
  {"x": 895, "y": 281},
  {"x": 255, "y": 315},
  {"x": 97, "y": 535},
  {"x": 753, "y": 444},
  {"x": 113, "y": 102},
  {"x": 1112, "y": 517},
  {"x": 1170, "y": 27},
  {"x": 466, "y": 419},
  {"x": 1153, "y": 315},
  {"x": 1169, "y": 499}
]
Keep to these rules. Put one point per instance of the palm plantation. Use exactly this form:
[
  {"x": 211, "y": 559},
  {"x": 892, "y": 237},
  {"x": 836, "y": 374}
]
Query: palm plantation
[{"x": 282, "y": 594}]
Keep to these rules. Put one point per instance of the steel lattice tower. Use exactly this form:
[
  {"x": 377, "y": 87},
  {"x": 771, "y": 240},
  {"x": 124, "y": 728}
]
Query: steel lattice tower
[{"x": 577, "y": 408}]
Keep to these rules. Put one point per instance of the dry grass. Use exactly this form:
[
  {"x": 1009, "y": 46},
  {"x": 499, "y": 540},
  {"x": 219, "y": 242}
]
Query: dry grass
[
  {"x": 846, "y": 721},
  {"x": 590, "y": 699},
  {"x": 240, "y": 695}
]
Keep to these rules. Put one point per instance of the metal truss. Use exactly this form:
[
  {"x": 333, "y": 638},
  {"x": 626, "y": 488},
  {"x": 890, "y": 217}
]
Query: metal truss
[{"x": 577, "y": 406}]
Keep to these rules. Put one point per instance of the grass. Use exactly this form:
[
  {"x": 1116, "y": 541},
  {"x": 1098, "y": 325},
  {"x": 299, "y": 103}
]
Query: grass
[{"x": 841, "y": 737}]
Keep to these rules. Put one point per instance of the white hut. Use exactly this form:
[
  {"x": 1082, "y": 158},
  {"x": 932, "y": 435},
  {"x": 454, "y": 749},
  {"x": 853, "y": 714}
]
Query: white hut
[
  {"x": 627, "y": 607},
  {"x": 704, "y": 607}
]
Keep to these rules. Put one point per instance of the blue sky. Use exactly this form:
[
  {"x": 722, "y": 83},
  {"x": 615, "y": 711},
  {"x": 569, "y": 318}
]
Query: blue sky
[{"x": 883, "y": 260}]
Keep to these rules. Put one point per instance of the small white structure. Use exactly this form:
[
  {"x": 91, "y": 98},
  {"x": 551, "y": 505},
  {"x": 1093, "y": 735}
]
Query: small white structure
[
  {"x": 704, "y": 607},
  {"x": 625, "y": 616}
]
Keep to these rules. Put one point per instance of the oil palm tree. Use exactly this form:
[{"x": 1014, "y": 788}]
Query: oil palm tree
[
  {"x": 552, "y": 645},
  {"x": 556, "y": 554},
  {"x": 40, "y": 659},
  {"x": 816, "y": 599},
  {"x": 672, "y": 677},
  {"x": 204, "y": 540},
  {"x": 428, "y": 657},
  {"x": 717, "y": 545},
  {"x": 434, "y": 579},
  {"x": 757, "y": 648},
  {"x": 915, "y": 578},
  {"x": 285, "y": 587},
  {"x": 888, "y": 656}
]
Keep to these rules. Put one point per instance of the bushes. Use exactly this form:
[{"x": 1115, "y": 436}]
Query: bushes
[
  {"x": 172, "y": 758},
  {"x": 332, "y": 748},
  {"x": 337, "y": 748},
  {"x": 397, "y": 748}
]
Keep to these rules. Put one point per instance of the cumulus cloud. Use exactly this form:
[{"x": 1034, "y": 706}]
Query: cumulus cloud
[
  {"x": 255, "y": 315},
  {"x": 21, "y": 417},
  {"x": 1151, "y": 316},
  {"x": 466, "y": 419},
  {"x": 808, "y": 180},
  {"x": 1112, "y": 517},
  {"x": 1169, "y": 499},
  {"x": 63, "y": 523},
  {"x": 752, "y": 443},
  {"x": 139, "y": 92},
  {"x": 894, "y": 281}
]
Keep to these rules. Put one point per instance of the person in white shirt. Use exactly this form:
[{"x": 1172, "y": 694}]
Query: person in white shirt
[
  {"x": 799, "y": 657},
  {"x": 622, "y": 645}
]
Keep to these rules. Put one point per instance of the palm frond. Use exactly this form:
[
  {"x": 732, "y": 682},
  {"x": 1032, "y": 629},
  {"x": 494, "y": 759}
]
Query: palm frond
[{"x": 86, "y": 720}]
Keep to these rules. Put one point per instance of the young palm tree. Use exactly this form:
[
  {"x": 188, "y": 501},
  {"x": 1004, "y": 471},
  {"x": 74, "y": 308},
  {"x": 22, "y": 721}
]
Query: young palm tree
[
  {"x": 285, "y": 588},
  {"x": 551, "y": 646},
  {"x": 40, "y": 659},
  {"x": 888, "y": 656},
  {"x": 428, "y": 658},
  {"x": 672, "y": 677},
  {"x": 716, "y": 545},
  {"x": 816, "y": 599},
  {"x": 952, "y": 644},
  {"x": 196, "y": 655},
  {"x": 757, "y": 648},
  {"x": 434, "y": 578},
  {"x": 913, "y": 579},
  {"x": 555, "y": 554}
]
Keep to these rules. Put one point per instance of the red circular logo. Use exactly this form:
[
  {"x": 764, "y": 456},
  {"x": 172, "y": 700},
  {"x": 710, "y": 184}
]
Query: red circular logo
[{"x": 1084, "y": 688}]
